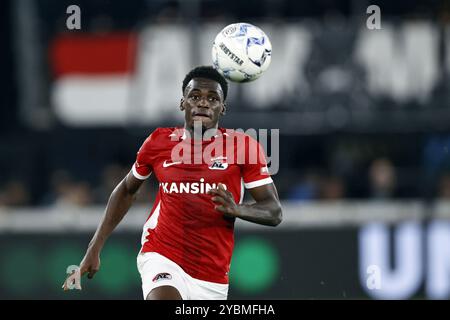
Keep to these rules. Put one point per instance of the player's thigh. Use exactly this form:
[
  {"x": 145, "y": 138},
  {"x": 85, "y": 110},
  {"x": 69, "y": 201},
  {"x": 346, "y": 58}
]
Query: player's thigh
[
  {"x": 164, "y": 293},
  {"x": 159, "y": 272}
]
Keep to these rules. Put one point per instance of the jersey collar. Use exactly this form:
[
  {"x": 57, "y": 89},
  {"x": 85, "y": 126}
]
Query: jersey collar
[{"x": 180, "y": 133}]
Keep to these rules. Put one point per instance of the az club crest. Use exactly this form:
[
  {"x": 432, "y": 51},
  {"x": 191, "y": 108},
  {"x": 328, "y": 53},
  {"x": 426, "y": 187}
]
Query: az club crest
[
  {"x": 162, "y": 276},
  {"x": 218, "y": 165}
]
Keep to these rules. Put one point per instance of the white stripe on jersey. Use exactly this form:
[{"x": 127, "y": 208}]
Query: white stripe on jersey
[
  {"x": 242, "y": 191},
  {"x": 137, "y": 175},
  {"x": 258, "y": 183},
  {"x": 150, "y": 224}
]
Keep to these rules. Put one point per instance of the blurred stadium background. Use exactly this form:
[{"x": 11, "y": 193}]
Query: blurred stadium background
[{"x": 364, "y": 121}]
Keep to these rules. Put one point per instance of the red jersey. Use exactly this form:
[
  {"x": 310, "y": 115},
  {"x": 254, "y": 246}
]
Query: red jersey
[{"x": 183, "y": 224}]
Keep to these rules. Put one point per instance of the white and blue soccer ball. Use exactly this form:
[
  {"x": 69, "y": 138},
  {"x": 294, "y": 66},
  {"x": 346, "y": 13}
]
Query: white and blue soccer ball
[{"x": 241, "y": 52}]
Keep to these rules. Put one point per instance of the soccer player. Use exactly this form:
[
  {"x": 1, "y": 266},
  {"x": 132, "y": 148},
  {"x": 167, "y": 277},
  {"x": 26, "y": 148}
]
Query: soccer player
[{"x": 187, "y": 241}]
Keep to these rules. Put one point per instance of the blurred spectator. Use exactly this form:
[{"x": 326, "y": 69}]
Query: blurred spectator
[
  {"x": 444, "y": 187},
  {"x": 78, "y": 195},
  {"x": 436, "y": 154},
  {"x": 306, "y": 189},
  {"x": 60, "y": 184},
  {"x": 14, "y": 194},
  {"x": 111, "y": 175},
  {"x": 66, "y": 192},
  {"x": 382, "y": 179},
  {"x": 169, "y": 14},
  {"x": 332, "y": 188}
]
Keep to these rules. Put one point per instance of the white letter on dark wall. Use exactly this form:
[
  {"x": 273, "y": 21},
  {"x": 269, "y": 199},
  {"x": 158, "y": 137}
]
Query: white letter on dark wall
[
  {"x": 438, "y": 262},
  {"x": 405, "y": 279}
]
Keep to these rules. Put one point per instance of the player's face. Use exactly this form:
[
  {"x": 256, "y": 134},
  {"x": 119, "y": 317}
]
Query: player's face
[{"x": 203, "y": 101}]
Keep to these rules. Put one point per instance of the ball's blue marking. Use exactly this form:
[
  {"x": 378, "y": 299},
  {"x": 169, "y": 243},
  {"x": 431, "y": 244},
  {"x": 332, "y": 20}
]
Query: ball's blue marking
[
  {"x": 242, "y": 30},
  {"x": 256, "y": 41}
]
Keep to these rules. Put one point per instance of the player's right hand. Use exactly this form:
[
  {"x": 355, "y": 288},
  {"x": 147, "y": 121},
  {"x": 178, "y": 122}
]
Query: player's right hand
[{"x": 90, "y": 264}]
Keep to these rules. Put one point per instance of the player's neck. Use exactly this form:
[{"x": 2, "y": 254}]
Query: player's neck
[{"x": 200, "y": 132}]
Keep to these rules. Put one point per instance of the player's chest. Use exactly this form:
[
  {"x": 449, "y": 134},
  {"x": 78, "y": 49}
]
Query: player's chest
[{"x": 211, "y": 168}]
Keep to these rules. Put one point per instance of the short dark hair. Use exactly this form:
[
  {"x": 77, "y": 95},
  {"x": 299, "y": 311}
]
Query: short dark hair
[{"x": 207, "y": 72}]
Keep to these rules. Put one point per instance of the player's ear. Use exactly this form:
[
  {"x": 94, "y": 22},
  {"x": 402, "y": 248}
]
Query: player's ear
[
  {"x": 181, "y": 104},
  {"x": 224, "y": 109}
]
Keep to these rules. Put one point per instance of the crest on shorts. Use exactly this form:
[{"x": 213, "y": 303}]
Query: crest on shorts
[{"x": 162, "y": 276}]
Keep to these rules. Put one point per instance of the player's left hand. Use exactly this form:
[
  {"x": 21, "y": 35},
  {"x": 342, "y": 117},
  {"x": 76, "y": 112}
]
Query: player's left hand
[{"x": 224, "y": 201}]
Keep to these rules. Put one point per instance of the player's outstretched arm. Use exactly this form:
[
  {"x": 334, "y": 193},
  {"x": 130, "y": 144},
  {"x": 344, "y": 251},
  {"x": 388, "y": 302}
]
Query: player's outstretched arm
[
  {"x": 118, "y": 205},
  {"x": 266, "y": 210}
]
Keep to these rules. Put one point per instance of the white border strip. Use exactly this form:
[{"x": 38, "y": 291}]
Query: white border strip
[
  {"x": 296, "y": 215},
  {"x": 258, "y": 183}
]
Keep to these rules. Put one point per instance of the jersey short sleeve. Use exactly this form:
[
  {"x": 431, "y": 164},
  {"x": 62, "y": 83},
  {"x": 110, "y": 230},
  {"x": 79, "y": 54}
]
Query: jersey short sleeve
[
  {"x": 254, "y": 171},
  {"x": 142, "y": 167}
]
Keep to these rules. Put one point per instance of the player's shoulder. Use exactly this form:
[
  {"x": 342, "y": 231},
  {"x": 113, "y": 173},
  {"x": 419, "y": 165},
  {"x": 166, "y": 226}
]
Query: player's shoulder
[
  {"x": 162, "y": 133},
  {"x": 159, "y": 136}
]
